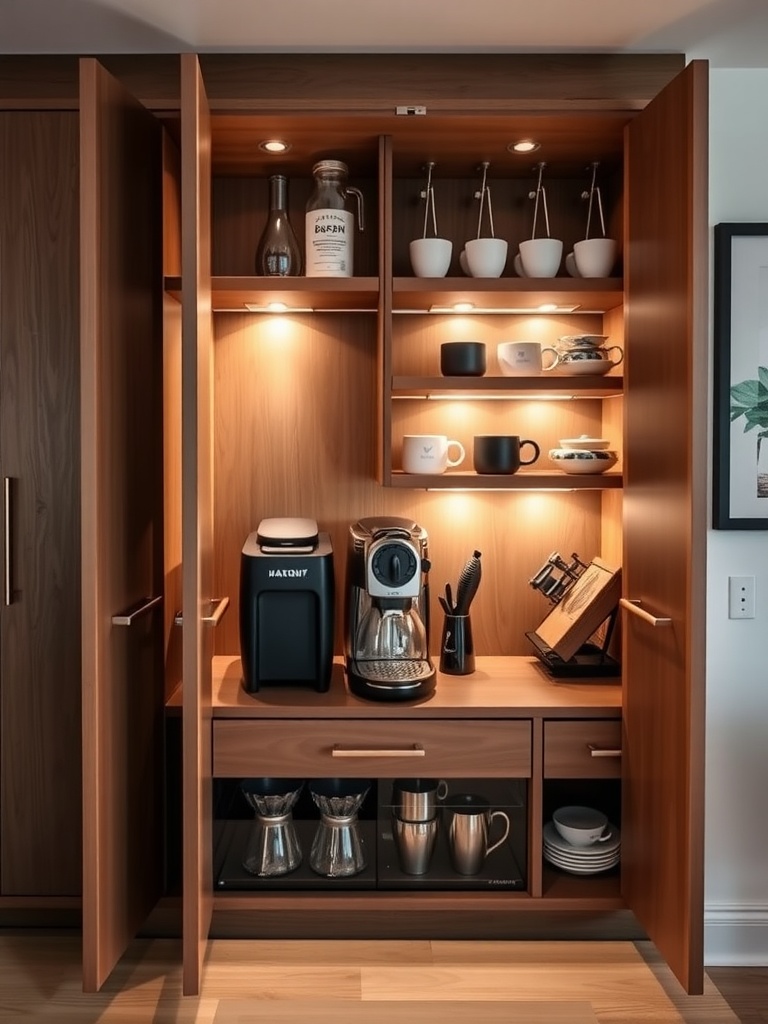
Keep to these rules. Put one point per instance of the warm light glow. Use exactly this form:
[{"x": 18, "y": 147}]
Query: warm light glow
[
  {"x": 276, "y": 307},
  {"x": 548, "y": 307},
  {"x": 463, "y": 307},
  {"x": 524, "y": 146},
  {"x": 274, "y": 146}
]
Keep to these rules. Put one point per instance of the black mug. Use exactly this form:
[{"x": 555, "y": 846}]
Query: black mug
[
  {"x": 500, "y": 453},
  {"x": 462, "y": 359}
]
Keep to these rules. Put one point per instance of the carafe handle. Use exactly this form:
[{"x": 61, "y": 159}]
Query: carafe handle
[
  {"x": 497, "y": 844},
  {"x": 360, "y": 205}
]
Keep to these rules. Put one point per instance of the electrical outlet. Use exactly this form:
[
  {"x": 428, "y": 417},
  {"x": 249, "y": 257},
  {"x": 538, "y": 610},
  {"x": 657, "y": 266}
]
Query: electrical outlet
[{"x": 741, "y": 597}]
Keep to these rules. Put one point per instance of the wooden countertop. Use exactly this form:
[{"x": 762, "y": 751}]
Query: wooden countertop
[{"x": 499, "y": 687}]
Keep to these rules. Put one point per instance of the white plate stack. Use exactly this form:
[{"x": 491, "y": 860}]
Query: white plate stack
[{"x": 601, "y": 855}]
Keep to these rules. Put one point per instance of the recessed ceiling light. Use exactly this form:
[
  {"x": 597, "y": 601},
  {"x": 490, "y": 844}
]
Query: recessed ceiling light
[
  {"x": 524, "y": 146},
  {"x": 274, "y": 146}
]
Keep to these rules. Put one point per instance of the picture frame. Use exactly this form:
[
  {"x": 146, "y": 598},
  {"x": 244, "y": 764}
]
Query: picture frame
[{"x": 740, "y": 449}]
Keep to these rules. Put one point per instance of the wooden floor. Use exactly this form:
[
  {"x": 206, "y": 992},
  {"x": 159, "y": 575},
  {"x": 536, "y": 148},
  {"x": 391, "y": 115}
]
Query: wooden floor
[{"x": 297, "y": 982}]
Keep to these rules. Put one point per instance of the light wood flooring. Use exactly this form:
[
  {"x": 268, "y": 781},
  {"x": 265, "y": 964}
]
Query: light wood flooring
[{"x": 347, "y": 982}]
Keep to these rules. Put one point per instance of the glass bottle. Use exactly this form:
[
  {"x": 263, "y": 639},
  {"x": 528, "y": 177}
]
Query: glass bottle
[
  {"x": 278, "y": 254},
  {"x": 328, "y": 225}
]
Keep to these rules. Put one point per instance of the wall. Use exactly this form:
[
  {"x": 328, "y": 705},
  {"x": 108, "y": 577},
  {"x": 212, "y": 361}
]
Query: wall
[{"x": 736, "y": 872}]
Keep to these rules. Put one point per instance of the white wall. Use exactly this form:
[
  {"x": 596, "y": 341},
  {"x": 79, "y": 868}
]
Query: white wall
[{"x": 736, "y": 866}]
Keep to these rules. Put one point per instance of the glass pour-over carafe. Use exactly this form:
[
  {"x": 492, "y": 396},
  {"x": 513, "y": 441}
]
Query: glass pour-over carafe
[
  {"x": 337, "y": 848},
  {"x": 273, "y": 848}
]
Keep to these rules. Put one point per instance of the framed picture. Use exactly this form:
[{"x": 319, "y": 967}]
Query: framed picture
[{"x": 740, "y": 477}]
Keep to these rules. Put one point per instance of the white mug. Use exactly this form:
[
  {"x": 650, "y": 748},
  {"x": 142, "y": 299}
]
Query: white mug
[
  {"x": 431, "y": 257},
  {"x": 429, "y": 453},
  {"x": 594, "y": 257},
  {"x": 540, "y": 257},
  {"x": 486, "y": 257},
  {"x": 570, "y": 265},
  {"x": 519, "y": 358}
]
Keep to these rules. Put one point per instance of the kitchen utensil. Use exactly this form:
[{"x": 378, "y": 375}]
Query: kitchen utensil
[
  {"x": 574, "y": 460},
  {"x": 469, "y": 581},
  {"x": 337, "y": 848},
  {"x": 462, "y": 359},
  {"x": 581, "y": 826},
  {"x": 444, "y": 605},
  {"x": 449, "y": 599},
  {"x": 457, "y": 649},
  {"x": 417, "y": 799},
  {"x": 585, "y": 442},
  {"x": 273, "y": 847},
  {"x": 415, "y": 842}
]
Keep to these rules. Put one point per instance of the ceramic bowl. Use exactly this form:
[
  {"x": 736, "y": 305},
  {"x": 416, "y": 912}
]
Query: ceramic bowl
[
  {"x": 580, "y": 826},
  {"x": 575, "y": 460},
  {"x": 593, "y": 340}
]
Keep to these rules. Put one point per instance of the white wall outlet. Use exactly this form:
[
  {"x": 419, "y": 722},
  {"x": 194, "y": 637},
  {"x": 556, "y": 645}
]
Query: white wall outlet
[{"x": 741, "y": 597}]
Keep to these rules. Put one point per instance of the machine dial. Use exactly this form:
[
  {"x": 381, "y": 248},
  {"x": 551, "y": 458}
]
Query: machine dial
[{"x": 394, "y": 569}]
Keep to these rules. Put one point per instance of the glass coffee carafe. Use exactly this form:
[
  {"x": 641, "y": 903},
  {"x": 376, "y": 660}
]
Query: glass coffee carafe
[
  {"x": 337, "y": 848},
  {"x": 273, "y": 848}
]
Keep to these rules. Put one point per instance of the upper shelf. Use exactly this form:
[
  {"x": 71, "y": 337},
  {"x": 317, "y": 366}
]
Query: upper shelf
[
  {"x": 586, "y": 386},
  {"x": 411, "y": 294}
]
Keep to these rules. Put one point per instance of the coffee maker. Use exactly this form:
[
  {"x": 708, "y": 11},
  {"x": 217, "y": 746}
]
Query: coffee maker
[{"x": 387, "y": 610}]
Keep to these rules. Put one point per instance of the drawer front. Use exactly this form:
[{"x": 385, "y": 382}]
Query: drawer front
[
  {"x": 384, "y": 749},
  {"x": 588, "y": 749}
]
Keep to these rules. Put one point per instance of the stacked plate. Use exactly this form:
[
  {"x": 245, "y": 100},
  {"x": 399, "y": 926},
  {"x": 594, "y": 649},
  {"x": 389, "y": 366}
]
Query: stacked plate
[{"x": 582, "y": 860}]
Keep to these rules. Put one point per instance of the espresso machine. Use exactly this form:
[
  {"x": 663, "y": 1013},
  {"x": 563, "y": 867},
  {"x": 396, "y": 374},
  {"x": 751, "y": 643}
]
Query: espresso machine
[{"x": 387, "y": 610}]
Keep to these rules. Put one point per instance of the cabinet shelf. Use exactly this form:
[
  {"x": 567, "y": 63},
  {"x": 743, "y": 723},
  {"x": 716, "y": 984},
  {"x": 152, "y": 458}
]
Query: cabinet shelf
[
  {"x": 526, "y": 481},
  {"x": 305, "y": 294},
  {"x": 513, "y": 294},
  {"x": 507, "y": 387}
]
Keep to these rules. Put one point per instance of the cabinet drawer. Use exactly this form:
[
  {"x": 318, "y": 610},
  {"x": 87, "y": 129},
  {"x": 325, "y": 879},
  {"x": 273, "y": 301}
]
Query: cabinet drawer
[
  {"x": 568, "y": 753},
  {"x": 386, "y": 748}
]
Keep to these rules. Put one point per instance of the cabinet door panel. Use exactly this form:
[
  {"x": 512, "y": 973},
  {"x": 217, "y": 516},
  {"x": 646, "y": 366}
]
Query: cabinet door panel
[
  {"x": 665, "y": 520},
  {"x": 385, "y": 749},
  {"x": 122, "y": 512},
  {"x": 40, "y": 808},
  {"x": 197, "y": 518}
]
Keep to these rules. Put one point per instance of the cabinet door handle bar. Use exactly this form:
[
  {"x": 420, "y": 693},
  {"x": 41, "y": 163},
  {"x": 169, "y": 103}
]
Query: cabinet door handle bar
[
  {"x": 602, "y": 751},
  {"x": 7, "y": 540},
  {"x": 414, "y": 751},
  {"x": 129, "y": 616},
  {"x": 218, "y": 606},
  {"x": 641, "y": 613}
]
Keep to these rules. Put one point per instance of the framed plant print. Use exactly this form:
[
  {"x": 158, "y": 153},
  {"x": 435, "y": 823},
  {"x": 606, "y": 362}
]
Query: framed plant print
[{"x": 740, "y": 472}]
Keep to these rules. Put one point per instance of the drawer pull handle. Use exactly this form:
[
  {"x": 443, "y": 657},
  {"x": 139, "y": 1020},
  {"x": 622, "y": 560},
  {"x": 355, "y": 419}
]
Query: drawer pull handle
[
  {"x": 602, "y": 751},
  {"x": 641, "y": 613},
  {"x": 217, "y": 605},
  {"x": 414, "y": 751}
]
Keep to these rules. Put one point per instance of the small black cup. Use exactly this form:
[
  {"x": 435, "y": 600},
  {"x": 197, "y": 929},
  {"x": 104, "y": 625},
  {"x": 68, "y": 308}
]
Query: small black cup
[
  {"x": 500, "y": 453},
  {"x": 457, "y": 649},
  {"x": 462, "y": 359}
]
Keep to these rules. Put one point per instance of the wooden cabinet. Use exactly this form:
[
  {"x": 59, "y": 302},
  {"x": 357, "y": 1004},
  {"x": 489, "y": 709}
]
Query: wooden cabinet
[
  {"x": 338, "y": 389},
  {"x": 40, "y": 809},
  {"x": 302, "y": 415}
]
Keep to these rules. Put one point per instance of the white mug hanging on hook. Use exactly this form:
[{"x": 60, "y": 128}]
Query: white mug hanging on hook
[
  {"x": 485, "y": 255},
  {"x": 329, "y": 227},
  {"x": 539, "y": 257},
  {"x": 430, "y": 255},
  {"x": 595, "y": 256}
]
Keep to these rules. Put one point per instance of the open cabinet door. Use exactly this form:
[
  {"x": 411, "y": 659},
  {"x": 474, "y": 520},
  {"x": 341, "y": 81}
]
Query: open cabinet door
[
  {"x": 122, "y": 517},
  {"x": 199, "y": 611},
  {"x": 666, "y": 281}
]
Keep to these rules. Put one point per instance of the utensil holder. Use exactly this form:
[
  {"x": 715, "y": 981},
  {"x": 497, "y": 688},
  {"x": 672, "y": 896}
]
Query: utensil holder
[{"x": 457, "y": 650}]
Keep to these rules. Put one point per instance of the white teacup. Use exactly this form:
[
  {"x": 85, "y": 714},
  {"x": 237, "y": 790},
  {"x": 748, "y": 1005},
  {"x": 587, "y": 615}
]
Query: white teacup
[
  {"x": 463, "y": 263},
  {"x": 570, "y": 265},
  {"x": 517, "y": 263},
  {"x": 431, "y": 257},
  {"x": 430, "y": 453},
  {"x": 595, "y": 257},
  {"x": 541, "y": 257},
  {"x": 519, "y": 358},
  {"x": 486, "y": 257}
]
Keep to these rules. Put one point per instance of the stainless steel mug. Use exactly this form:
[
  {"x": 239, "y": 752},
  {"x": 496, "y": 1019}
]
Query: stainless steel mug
[
  {"x": 469, "y": 830},
  {"x": 415, "y": 842},
  {"x": 417, "y": 799}
]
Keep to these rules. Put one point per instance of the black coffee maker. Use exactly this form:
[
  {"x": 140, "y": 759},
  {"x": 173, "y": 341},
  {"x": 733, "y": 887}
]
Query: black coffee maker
[
  {"x": 387, "y": 610},
  {"x": 287, "y": 605}
]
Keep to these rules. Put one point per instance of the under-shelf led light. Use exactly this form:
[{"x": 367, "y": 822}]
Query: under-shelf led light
[{"x": 524, "y": 146}]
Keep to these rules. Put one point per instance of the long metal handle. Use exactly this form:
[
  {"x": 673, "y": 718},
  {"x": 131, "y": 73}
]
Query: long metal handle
[
  {"x": 414, "y": 751},
  {"x": 602, "y": 751},
  {"x": 129, "y": 616},
  {"x": 7, "y": 541},
  {"x": 218, "y": 606},
  {"x": 641, "y": 613}
]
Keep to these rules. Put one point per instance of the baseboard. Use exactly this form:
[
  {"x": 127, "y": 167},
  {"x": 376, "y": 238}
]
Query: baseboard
[{"x": 736, "y": 935}]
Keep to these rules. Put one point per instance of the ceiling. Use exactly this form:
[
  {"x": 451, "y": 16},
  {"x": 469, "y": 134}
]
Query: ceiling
[{"x": 730, "y": 33}]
